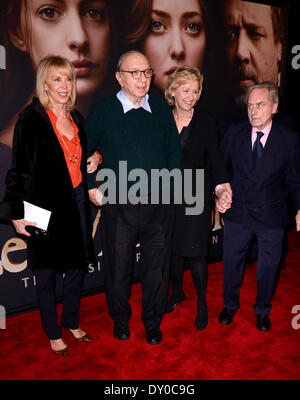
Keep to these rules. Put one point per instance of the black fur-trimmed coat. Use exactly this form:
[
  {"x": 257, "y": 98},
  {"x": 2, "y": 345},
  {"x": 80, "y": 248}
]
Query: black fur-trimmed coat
[{"x": 40, "y": 175}]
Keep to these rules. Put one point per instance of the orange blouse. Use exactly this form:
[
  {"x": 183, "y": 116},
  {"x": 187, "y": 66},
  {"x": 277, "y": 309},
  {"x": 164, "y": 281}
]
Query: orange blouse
[{"x": 74, "y": 148}]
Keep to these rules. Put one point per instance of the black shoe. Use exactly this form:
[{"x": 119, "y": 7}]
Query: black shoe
[
  {"x": 201, "y": 324},
  {"x": 263, "y": 322},
  {"x": 121, "y": 331},
  {"x": 226, "y": 316},
  {"x": 153, "y": 335},
  {"x": 173, "y": 303},
  {"x": 202, "y": 319}
]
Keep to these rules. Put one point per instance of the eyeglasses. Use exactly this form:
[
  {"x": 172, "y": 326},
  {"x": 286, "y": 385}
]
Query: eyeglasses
[{"x": 136, "y": 74}]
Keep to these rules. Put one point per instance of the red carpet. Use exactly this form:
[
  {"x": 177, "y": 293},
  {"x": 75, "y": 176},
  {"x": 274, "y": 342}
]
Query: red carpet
[{"x": 220, "y": 352}]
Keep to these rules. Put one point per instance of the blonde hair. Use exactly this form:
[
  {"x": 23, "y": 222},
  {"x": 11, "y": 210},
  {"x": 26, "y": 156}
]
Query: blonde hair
[
  {"x": 179, "y": 77},
  {"x": 65, "y": 66}
]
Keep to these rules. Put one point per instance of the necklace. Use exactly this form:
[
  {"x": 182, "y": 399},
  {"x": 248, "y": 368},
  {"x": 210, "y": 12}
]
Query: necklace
[
  {"x": 73, "y": 157},
  {"x": 182, "y": 122},
  {"x": 186, "y": 117}
]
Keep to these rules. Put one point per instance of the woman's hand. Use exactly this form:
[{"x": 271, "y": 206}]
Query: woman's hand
[
  {"x": 92, "y": 163},
  {"x": 20, "y": 225}
]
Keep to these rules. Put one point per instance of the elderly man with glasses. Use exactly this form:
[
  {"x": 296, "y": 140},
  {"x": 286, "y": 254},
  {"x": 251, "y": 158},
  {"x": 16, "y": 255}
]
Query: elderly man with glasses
[{"x": 138, "y": 128}]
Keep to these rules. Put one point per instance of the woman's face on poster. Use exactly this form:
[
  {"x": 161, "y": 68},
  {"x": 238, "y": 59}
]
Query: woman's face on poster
[
  {"x": 177, "y": 37},
  {"x": 75, "y": 29}
]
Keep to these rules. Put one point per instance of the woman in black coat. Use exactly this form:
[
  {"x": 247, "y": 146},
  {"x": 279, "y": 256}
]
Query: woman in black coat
[
  {"x": 200, "y": 150},
  {"x": 49, "y": 170}
]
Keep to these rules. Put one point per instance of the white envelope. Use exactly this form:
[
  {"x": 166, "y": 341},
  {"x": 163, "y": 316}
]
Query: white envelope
[{"x": 36, "y": 214}]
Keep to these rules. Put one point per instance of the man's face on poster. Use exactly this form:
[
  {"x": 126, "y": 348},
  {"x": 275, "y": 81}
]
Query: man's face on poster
[{"x": 253, "y": 53}]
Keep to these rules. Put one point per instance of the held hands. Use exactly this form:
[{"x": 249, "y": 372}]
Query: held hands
[
  {"x": 20, "y": 225},
  {"x": 92, "y": 163},
  {"x": 224, "y": 197},
  {"x": 95, "y": 197}
]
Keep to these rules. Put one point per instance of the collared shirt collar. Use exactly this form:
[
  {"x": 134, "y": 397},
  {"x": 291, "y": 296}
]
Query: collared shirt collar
[
  {"x": 128, "y": 105},
  {"x": 265, "y": 131}
]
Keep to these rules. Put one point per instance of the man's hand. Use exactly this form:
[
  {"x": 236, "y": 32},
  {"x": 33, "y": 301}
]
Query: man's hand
[
  {"x": 92, "y": 163},
  {"x": 224, "y": 197},
  {"x": 20, "y": 226},
  {"x": 96, "y": 196},
  {"x": 298, "y": 221}
]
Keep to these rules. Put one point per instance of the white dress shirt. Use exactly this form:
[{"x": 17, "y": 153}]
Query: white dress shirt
[{"x": 128, "y": 105}]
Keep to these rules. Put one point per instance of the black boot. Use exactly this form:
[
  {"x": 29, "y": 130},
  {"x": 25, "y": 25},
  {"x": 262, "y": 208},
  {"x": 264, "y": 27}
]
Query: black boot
[
  {"x": 172, "y": 303},
  {"x": 176, "y": 273},
  {"x": 202, "y": 317},
  {"x": 199, "y": 274}
]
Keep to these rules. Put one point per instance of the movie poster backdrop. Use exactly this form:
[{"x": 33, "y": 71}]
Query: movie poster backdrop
[{"x": 233, "y": 42}]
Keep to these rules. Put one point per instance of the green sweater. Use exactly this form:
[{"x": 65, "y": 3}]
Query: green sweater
[{"x": 145, "y": 140}]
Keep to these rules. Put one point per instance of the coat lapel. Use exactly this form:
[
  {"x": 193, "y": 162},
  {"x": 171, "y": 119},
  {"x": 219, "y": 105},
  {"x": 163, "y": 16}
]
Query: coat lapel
[
  {"x": 49, "y": 137},
  {"x": 246, "y": 148}
]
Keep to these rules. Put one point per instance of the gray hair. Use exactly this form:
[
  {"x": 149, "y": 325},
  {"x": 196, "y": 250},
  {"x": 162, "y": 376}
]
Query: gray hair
[
  {"x": 270, "y": 86},
  {"x": 124, "y": 56}
]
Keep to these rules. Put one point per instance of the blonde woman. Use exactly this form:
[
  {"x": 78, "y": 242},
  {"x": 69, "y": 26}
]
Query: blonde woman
[
  {"x": 199, "y": 150},
  {"x": 49, "y": 170}
]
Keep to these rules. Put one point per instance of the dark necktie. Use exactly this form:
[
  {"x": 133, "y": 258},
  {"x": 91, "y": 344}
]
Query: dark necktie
[{"x": 257, "y": 149}]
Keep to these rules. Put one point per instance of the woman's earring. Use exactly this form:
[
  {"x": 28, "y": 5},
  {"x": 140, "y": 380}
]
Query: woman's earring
[{"x": 46, "y": 97}]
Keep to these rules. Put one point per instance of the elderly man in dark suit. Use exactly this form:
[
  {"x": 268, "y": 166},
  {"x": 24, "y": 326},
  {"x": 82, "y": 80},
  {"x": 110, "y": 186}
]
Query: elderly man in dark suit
[{"x": 264, "y": 162}]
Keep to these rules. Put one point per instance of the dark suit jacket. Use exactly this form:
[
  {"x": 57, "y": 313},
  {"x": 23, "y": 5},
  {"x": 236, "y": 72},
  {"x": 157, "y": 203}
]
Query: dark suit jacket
[
  {"x": 259, "y": 196},
  {"x": 40, "y": 175},
  {"x": 200, "y": 150}
]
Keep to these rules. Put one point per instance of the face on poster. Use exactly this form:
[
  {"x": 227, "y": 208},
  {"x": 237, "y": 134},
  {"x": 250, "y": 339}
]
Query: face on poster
[
  {"x": 171, "y": 33},
  {"x": 75, "y": 29},
  {"x": 78, "y": 30},
  {"x": 253, "y": 43},
  {"x": 177, "y": 37}
]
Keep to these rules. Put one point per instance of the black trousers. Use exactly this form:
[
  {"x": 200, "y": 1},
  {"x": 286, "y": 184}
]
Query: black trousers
[
  {"x": 46, "y": 292},
  {"x": 72, "y": 282},
  {"x": 122, "y": 227},
  {"x": 198, "y": 267},
  {"x": 236, "y": 242}
]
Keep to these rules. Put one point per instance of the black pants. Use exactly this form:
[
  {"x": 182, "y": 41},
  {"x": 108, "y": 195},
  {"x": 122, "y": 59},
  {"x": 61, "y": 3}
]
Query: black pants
[
  {"x": 236, "y": 242},
  {"x": 122, "y": 227},
  {"x": 72, "y": 282},
  {"x": 46, "y": 291}
]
